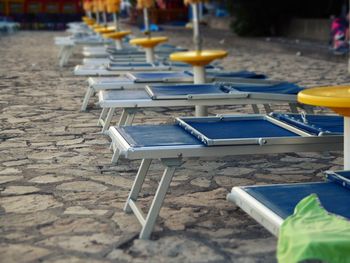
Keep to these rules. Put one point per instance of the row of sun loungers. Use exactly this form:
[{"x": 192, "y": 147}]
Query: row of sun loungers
[
  {"x": 7, "y": 28},
  {"x": 137, "y": 84}
]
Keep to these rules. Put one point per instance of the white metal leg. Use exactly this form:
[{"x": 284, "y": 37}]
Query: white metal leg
[
  {"x": 66, "y": 56},
  {"x": 150, "y": 55},
  {"x": 127, "y": 117},
  {"x": 108, "y": 119},
  {"x": 149, "y": 220},
  {"x": 346, "y": 143},
  {"x": 199, "y": 78},
  {"x": 130, "y": 118},
  {"x": 88, "y": 94},
  {"x": 118, "y": 44},
  {"x": 60, "y": 52},
  {"x": 102, "y": 116},
  {"x": 122, "y": 119},
  {"x": 293, "y": 107},
  {"x": 116, "y": 155},
  {"x": 62, "y": 56},
  {"x": 157, "y": 203},
  {"x": 137, "y": 185},
  {"x": 267, "y": 108},
  {"x": 255, "y": 108}
]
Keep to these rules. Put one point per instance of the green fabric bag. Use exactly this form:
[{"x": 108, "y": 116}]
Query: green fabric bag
[{"x": 313, "y": 233}]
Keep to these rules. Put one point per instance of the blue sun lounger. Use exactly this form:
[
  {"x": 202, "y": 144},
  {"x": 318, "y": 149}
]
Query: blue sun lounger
[
  {"x": 115, "y": 69},
  {"x": 270, "y": 205},
  {"x": 99, "y": 56},
  {"x": 215, "y": 137},
  {"x": 125, "y": 58},
  {"x": 67, "y": 45},
  {"x": 138, "y": 80},
  {"x": 103, "y": 52},
  {"x": 189, "y": 95}
]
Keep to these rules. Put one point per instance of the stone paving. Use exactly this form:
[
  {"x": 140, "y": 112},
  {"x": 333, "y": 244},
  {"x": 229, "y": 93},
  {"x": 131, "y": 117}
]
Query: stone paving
[{"x": 61, "y": 200}]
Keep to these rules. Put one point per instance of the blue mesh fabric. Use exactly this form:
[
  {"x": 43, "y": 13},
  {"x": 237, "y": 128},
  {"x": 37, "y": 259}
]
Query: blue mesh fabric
[
  {"x": 159, "y": 75},
  {"x": 237, "y": 74},
  {"x": 341, "y": 177},
  {"x": 315, "y": 123},
  {"x": 124, "y": 95},
  {"x": 282, "y": 199},
  {"x": 156, "y": 135},
  {"x": 126, "y": 52},
  {"x": 240, "y": 129},
  {"x": 281, "y": 88},
  {"x": 176, "y": 90},
  {"x": 129, "y": 64}
]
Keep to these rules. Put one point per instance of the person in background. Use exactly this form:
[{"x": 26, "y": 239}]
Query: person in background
[
  {"x": 125, "y": 8},
  {"x": 340, "y": 35}
]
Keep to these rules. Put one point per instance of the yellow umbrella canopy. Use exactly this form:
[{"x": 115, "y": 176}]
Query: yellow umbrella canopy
[
  {"x": 101, "y": 6},
  {"x": 188, "y": 2},
  {"x": 94, "y": 6},
  {"x": 141, "y": 4},
  {"x": 87, "y": 5},
  {"x": 113, "y": 6}
]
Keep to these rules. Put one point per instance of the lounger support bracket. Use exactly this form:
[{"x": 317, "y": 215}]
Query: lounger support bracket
[
  {"x": 148, "y": 221},
  {"x": 88, "y": 94},
  {"x": 126, "y": 118}
]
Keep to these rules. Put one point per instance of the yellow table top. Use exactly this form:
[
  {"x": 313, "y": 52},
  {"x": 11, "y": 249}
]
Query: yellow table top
[
  {"x": 105, "y": 30},
  {"x": 116, "y": 35},
  {"x": 86, "y": 18},
  {"x": 336, "y": 98},
  {"x": 89, "y": 22},
  {"x": 95, "y": 26},
  {"x": 148, "y": 42},
  {"x": 198, "y": 58}
]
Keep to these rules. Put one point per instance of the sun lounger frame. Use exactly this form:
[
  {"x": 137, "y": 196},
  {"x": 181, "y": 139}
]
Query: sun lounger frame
[
  {"x": 132, "y": 106},
  {"x": 172, "y": 158},
  {"x": 129, "y": 81}
]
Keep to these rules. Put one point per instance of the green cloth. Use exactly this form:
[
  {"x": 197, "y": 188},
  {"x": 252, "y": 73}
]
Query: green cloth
[{"x": 313, "y": 233}]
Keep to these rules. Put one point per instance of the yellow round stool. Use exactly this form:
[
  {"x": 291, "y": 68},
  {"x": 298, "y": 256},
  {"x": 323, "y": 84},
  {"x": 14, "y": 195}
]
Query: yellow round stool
[
  {"x": 88, "y": 20},
  {"x": 336, "y": 98},
  {"x": 90, "y": 23},
  {"x": 117, "y": 36},
  {"x": 148, "y": 44},
  {"x": 199, "y": 59},
  {"x": 105, "y": 30},
  {"x": 97, "y": 26}
]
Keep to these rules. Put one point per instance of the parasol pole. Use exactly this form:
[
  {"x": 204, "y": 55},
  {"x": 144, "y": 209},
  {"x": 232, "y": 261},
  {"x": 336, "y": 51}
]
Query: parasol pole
[
  {"x": 104, "y": 16},
  {"x": 104, "y": 13},
  {"x": 348, "y": 17},
  {"x": 118, "y": 42},
  {"x": 97, "y": 12},
  {"x": 145, "y": 5},
  {"x": 116, "y": 21},
  {"x": 197, "y": 39},
  {"x": 147, "y": 23},
  {"x": 198, "y": 71},
  {"x": 147, "y": 43}
]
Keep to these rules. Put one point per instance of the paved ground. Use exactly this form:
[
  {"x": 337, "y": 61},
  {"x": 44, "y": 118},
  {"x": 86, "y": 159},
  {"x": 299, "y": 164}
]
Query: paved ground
[{"x": 61, "y": 200}]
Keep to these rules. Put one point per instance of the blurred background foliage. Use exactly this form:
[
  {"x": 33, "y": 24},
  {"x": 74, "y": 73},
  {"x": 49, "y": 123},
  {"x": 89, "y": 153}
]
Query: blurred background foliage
[{"x": 267, "y": 17}]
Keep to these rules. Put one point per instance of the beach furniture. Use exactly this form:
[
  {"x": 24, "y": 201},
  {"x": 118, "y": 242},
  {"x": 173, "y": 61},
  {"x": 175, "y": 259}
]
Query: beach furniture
[
  {"x": 270, "y": 205},
  {"x": 189, "y": 95},
  {"x": 215, "y": 137},
  {"x": 138, "y": 80}
]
